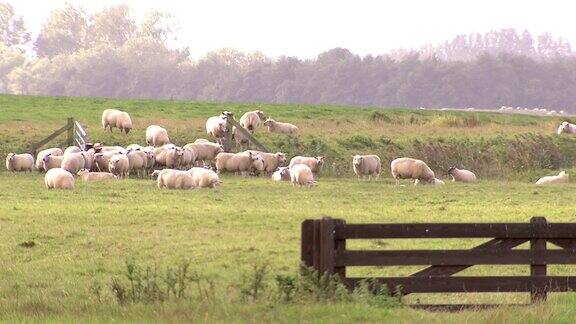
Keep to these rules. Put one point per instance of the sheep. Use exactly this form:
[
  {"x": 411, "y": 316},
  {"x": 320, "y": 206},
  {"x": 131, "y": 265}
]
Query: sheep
[
  {"x": 134, "y": 147},
  {"x": 240, "y": 138},
  {"x": 282, "y": 174},
  {"x": 99, "y": 148},
  {"x": 188, "y": 158},
  {"x": 302, "y": 175},
  {"x": 119, "y": 165},
  {"x": 271, "y": 160},
  {"x": 436, "y": 182},
  {"x": 174, "y": 157},
  {"x": 567, "y": 128},
  {"x": 174, "y": 179},
  {"x": 461, "y": 175},
  {"x": 40, "y": 157},
  {"x": 73, "y": 162},
  {"x": 202, "y": 140},
  {"x": 205, "y": 152},
  {"x": 59, "y": 178},
  {"x": 251, "y": 120},
  {"x": 101, "y": 161},
  {"x": 204, "y": 178},
  {"x": 281, "y": 128},
  {"x": 366, "y": 165},
  {"x": 72, "y": 149},
  {"x": 150, "y": 158},
  {"x": 239, "y": 162},
  {"x": 216, "y": 126},
  {"x": 314, "y": 163},
  {"x": 408, "y": 168},
  {"x": 51, "y": 161},
  {"x": 562, "y": 177},
  {"x": 86, "y": 175},
  {"x": 138, "y": 162},
  {"x": 115, "y": 118},
  {"x": 157, "y": 136},
  {"x": 19, "y": 162},
  {"x": 89, "y": 159}
]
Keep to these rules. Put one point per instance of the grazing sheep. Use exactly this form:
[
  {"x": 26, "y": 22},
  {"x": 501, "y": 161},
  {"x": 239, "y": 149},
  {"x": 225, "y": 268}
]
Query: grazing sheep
[
  {"x": 157, "y": 136},
  {"x": 205, "y": 152},
  {"x": 59, "y": 178},
  {"x": 436, "y": 182},
  {"x": 408, "y": 168},
  {"x": 239, "y": 162},
  {"x": 55, "y": 151},
  {"x": 174, "y": 179},
  {"x": 115, "y": 118},
  {"x": 119, "y": 165},
  {"x": 239, "y": 138},
  {"x": 314, "y": 163},
  {"x": 301, "y": 175},
  {"x": 51, "y": 161},
  {"x": 567, "y": 128},
  {"x": 19, "y": 162},
  {"x": 174, "y": 157},
  {"x": 562, "y": 177},
  {"x": 86, "y": 175},
  {"x": 138, "y": 162},
  {"x": 204, "y": 178},
  {"x": 101, "y": 161},
  {"x": 251, "y": 120},
  {"x": 271, "y": 160},
  {"x": 461, "y": 175},
  {"x": 72, "y": 149},
  {"x": 281, "y": 128},
  {"x": 73, "y": 162},
  {"x": 282, "y": 174},
  {"x": 366, "y": 165}
]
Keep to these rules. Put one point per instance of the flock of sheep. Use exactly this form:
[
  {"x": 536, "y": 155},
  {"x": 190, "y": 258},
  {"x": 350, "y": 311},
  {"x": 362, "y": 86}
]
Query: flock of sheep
[{"x": 192, "y": 165}]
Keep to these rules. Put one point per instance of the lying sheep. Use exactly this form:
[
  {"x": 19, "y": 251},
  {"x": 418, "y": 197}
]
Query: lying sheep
[
  {"x": 205, "y": 152},
  {"x": 271, "y": 160},
  {"x": 562, "y": 177},
  {"x": 59, "y": 178},
  {"x": 157, "y": 136},
  {"x": 281, "y": 128},
  {"x": 137, "y": 162},
  {"x": 19, "y": 162},
  {"x": 204, "y": 178},
  {"x": 435, "y": 182},
  {"x": 366, "y": 165},
  {"x": 174, "y": 179},
  {"x": 73, "y": 162},
  {"x": 55, "y": 151},
  {"x": 101, "y": 161},
  {"x": 301, "y": 175},
  {"x": 251, "y": 120},
  {"x": 314, "y": 163},
  {"x": 119, "y": 165},
  {"x": 282, "y": 174},
  {"x": 51, "y": 162},
  {"x": 239, "y": 162},
  {"x": 408, "y": 168},
  {"x": 567, "y": 128},
  {"x": 86, "y": 175},
  {"x": 115, "y": 118},
  {"x": 461, "y": 175}
]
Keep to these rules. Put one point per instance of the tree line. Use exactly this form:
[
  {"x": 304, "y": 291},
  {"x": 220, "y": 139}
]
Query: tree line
[{"x": 109, "y": 54}]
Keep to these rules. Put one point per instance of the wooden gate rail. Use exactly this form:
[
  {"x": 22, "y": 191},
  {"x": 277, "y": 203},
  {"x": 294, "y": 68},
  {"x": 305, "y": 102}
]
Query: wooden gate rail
[
  {"x": 324, "y": 249},
  {"x": 75, "y": 135}
]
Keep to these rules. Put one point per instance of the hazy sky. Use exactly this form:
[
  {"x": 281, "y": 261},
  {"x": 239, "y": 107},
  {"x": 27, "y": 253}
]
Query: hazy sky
[{"x": 305, "y": 28}]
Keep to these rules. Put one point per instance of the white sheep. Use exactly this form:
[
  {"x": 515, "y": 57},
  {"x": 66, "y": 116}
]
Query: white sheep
[
  {"x": 51, "y": 161},
  {"x": 204, "y": 178},
  {"x": 72, "y": 149},
  {"x": 161, "y": 152},
  {"x": 115, "y": 118},
  {"x": 134, "y": 147},
  {"x": 174, "y": 157},
  {"x": 302, "y": 175},
  {"x": 366, "y": 165},
  {"x": 408, "y": 168},
  {"x": 138, "y": 162},
  {"x": 562, "y": 177},
  {"x": 436, "y": 182},
  {"x": 314, "y": 163},
  {"x": 271, "y": 160},
  {"x": 174, "y": 179},
  {"x": 119, "y": 165},
  {"x": 157, "y": 136},
  {"x": 240, "y": 138},
  {"x": 282, "y": 174},
  {"x": 251, "y": 120},
  {"x": 73, "y": 162},
  {"x": 101, "y": 160},
  {"x": 59, "y": 178},
  {"x": 188, "y": 158},
  {"x": 99, "y": 148},
  {"x": 55, "y": 151},
  {"x": 281, "y": 128},
  {"x": 567, "y": 128},
  {"x": 461, "y": 175},
  {"x": 216, "y": 126},
  {"x": 89, "y": 159},
  {"x": 86, "y": 175},
  {"x": 239, "y": 162},
  {"x": 205, "y": 152},
  {"x": 19, "y": 162}
]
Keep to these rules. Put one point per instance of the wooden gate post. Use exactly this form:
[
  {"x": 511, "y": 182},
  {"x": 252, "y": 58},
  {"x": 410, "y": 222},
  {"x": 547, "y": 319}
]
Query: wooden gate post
[
  {"x": 538, "y": 267},
  {"x": 327, "y": 246},
  {"x": 307, "y": 243},
  {"x": 70, "y": 125},
  {"x": 340, "y": 248}
]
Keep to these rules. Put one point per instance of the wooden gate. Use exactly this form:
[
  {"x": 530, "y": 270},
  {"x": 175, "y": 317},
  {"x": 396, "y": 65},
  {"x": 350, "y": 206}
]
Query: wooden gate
[{"x": 75, "y": 135}]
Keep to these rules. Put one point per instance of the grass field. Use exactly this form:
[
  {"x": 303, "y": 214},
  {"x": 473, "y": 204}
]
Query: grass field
[{"x": 62, "y": 251}]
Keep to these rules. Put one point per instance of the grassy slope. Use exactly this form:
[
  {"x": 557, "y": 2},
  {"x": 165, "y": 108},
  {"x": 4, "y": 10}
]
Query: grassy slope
[{"x": 224, "y": 233}]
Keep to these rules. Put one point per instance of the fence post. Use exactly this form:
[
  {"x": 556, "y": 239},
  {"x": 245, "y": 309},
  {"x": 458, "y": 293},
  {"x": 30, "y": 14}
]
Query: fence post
[
  {"x": 538, "y": 267},
  {"x": 340, "y": 247},
  {"x": 307, "y": 243},
  {"x": 327, "y": 246},
  {"x": 70, "y": 139}
]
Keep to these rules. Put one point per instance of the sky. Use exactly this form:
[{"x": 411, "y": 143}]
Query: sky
[{"x": 305, "y": 28}]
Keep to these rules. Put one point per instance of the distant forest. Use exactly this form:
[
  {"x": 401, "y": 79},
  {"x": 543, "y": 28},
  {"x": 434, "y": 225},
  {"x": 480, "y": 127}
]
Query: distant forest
[{"x": 108, "y": 54}]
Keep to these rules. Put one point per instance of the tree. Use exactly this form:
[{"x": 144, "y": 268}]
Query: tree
[
  {"x": 12, "y": 30},
  {"x": 63, "y": 33},
  {"x": 112, "y": 26}
]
